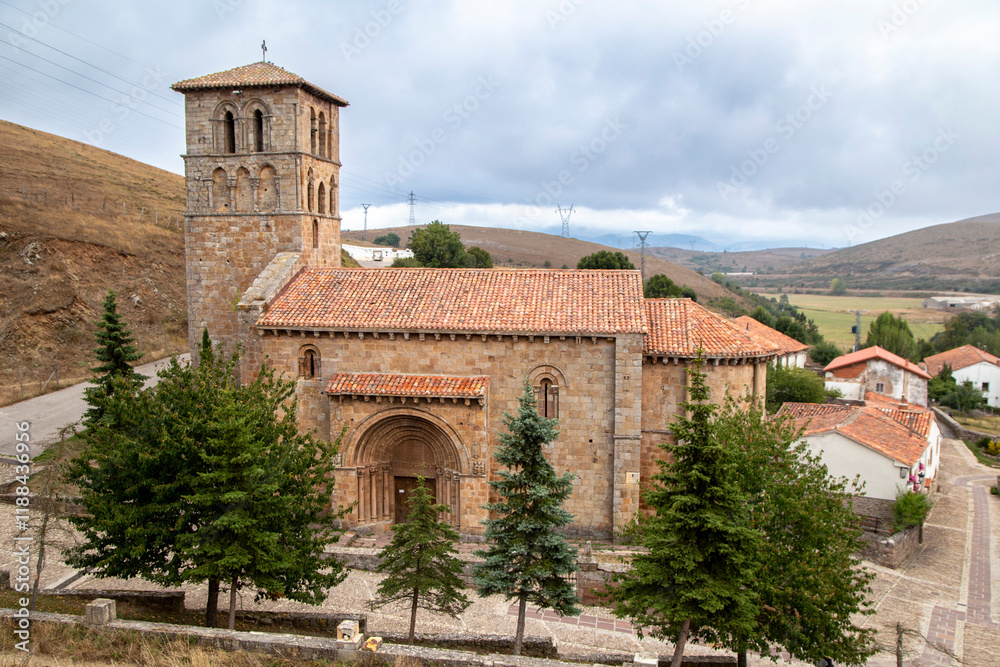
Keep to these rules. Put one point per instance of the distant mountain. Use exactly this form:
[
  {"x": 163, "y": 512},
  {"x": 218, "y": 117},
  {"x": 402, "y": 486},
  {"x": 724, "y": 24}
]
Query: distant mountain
[{"x": 684, "y": 241}]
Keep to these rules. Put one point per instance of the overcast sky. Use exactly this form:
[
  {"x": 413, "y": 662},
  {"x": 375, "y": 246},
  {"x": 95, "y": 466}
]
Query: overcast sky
[{"x": 774, "y": 122}]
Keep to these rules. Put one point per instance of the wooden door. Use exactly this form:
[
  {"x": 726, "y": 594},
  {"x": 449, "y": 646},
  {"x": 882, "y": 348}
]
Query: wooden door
[{"x": 403, "y": 487}]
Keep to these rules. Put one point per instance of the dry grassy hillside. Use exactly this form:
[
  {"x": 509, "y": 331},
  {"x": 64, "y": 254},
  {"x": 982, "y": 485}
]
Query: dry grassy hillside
[
  {"x": 516, "y": 248},
  {"x": 967, "y": 249},
  {"x": 64, "y": 242}
]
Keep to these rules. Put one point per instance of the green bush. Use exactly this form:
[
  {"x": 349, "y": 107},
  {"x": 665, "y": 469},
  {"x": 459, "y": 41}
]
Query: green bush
[
  {"x": 823, "y": 353},
  {"x": 405, "y": 263},
  {"x": 992, "y": 448},
  {"x": 910, "y": 510}
]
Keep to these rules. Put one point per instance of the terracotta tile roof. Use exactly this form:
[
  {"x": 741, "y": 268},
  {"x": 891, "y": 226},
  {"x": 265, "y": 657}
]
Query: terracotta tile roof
[
  {"x": 876, "y": 352},
  {"x": 916, "y": 418},
  {"x": 382, "y": 384},
  {"x": 255, "y": 75},
  {"x": 786, "y": 344},
  {"x": 868, "y": 426},
  {"x": 534, "y": 301},
  {"x": 678, "y": 327},
  {"x": 960, "y": 357}
]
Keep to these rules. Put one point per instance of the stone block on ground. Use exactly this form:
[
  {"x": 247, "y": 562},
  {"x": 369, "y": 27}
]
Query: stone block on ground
[{"x": 100, "y": 612}]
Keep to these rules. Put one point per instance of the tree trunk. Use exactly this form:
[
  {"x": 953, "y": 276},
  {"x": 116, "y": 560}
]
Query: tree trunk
[
  {"x": 232, "y": 602},
  {"x": 681, "y": 641},
  {"x": 413, "y": 614},
  {"x": 40, "y": 563},
  {"x": 741, "y": 658},
  {"x": 212, "y": 606},
  {"x": 522, "y": 603}
]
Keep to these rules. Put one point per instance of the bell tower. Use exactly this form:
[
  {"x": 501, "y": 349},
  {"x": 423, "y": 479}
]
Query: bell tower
[{"x": 262, "y": 169}]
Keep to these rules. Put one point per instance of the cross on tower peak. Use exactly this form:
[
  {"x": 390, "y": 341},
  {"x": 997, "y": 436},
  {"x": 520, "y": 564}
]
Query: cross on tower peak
[{"x": 263, "y": 50}]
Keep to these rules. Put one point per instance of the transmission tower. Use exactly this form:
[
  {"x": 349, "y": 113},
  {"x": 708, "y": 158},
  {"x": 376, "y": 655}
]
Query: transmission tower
[
  {"x": 642, "y": 246},
  {"x": 413, "y": 201},
  {"x": 365, "y": 237},
  {"x": 564, "y": 216}
]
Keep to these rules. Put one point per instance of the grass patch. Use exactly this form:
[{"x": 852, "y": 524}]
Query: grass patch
[
  {"x": 77, "y": 643},
  {"x": 983, "y": 458}
]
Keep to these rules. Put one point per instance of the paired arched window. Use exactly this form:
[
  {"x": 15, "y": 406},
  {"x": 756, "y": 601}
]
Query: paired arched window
[
  {"x": 309, "y": 366},
  {"x": 228, "y": 132}
]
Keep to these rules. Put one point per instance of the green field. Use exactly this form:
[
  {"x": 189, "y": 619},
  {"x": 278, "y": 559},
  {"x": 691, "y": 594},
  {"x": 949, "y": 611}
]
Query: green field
[{"x": 834, "y": 315}]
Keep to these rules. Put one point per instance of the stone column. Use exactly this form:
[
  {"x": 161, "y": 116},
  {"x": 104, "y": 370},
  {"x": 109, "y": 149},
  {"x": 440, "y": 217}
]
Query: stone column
[
  {"x": 628, "y": 427},
  {"x": 362, "y": 505}
]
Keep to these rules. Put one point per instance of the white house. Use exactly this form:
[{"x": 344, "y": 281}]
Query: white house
[
  {"x": 369, "y": 254},
  {"x": 880, "y": 371},
  {"x": 890, "y": 447},
  {"x": 970, "y": 363},
  {"x": 792, "y": 353}
]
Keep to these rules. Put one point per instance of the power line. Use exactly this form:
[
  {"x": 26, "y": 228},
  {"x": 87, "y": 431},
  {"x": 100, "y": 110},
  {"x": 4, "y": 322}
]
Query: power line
[
  {"x": 642, "y": 245},
  {"x": 366, "y": 222},
  {"x": 564, "y": 216},
  {"x": 413, "y": 201}
]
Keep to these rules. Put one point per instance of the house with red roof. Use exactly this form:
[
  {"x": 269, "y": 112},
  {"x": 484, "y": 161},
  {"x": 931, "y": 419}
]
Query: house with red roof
[
  {"x": 970, "y": 363},
  {"x": 791, "y": 353},
  {"x": 890, "y": 445},
  {"x": 416, "y": 367},
  {"x": 877, "y": 370}
]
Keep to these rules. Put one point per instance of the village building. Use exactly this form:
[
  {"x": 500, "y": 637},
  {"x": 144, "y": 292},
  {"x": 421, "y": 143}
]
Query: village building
[
  {"x": 791, "y": 353},
  {"x": 969, "y": 363},
  {"x": 880, "y": 371},
  {"x": 890, "y": 445},
  {"x": 417, "y": 366}
]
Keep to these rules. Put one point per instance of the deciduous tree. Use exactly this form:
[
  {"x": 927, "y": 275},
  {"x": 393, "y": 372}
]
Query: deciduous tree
[
  {"x": 793, "y": 385},
  {"x": 421, "y": 562},
  {"x": 893, "y": 334},
  {"x": 527, "y": 558},
  {"x": 605, "y": 259},
  {"x": 437, "y": 246},
  {"x": 479, "y": 258}
]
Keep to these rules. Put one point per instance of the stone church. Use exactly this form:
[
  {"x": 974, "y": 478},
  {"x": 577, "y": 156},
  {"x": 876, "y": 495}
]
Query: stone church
[{"x": 420, "y": 364}]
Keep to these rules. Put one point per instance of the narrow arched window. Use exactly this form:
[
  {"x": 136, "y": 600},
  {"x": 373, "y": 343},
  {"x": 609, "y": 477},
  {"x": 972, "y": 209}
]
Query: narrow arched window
[
  {"x": 309, "y": 363},
  {"x": 309, "y": 197},
  {"x": 315, "y": 238},
  {"x": 548, "y": 399},
  {"x": 312, "y": 131},
  {"x": 229, "y": 140},
  {"x": 333, "y": 196},
  {"x": 321, "y": 198},
  {"x": 258, "y": 131},
  {"x": 322, "y": 134}
]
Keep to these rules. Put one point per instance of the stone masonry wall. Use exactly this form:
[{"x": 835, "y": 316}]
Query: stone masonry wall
[{"x": 587, "y": 408}]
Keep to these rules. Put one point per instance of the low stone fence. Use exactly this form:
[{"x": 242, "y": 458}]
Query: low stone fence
[
  {"x": 892, "y": 551},
  {"x": 171, "y": 601},
  {"x": 301, "y": 620},
  {"x": 536, "y": 647},
  {"x": 961, "y": 431}
]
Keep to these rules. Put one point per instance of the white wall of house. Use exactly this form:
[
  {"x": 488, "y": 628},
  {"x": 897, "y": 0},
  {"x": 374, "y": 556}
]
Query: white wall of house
[
  {"x": 882, "y": 377},
  {"x": 366, "y": 254},
  {"x": 850, "y": 389},
  {"x": 980, "y": 374},
  {"x": 846, "y": 458},
  {"x": 792, "y": 360}
]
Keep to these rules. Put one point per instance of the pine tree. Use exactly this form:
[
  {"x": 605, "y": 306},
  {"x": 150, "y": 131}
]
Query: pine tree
[
  {"x": 199, "y": 478},
  {"x": 527, "y": 558},
  {"x": 116, "y": 353},
  {"x": 695, "y": 580},
  {"x": 421, "y": 561},
  {"x": 811, "y": 585}
]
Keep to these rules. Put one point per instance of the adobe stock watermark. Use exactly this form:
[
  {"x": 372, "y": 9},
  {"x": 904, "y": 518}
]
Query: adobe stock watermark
[
  {"x": 45, "y": 11},
  {"x": 900, "y": 15},
  {"x": 581, "y": 158},
  {"x": 223, "y": 7},
  {"x": 561, "y": 14},
  {"x": 703, "y": 39},
  {"x": 21, "y": 572},
  {"x": 911, "y": 171},
  {"x": 453, "y": 118},
  {"x": 366, "y": 34},
  {"x": 785, "y": 129},
  {"x": 124, "y": 105}
]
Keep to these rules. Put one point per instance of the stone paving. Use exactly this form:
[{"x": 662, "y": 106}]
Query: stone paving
[{"x": 944, "y": 592}]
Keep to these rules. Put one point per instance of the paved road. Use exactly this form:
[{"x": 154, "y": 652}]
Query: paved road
[{"x": 51, "y": 412}]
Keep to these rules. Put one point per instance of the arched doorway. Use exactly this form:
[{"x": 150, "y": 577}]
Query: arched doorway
[{"x": 391, "y": 450}]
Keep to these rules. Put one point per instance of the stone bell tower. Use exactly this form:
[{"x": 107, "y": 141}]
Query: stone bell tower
[{"x": 262, "y": 169}]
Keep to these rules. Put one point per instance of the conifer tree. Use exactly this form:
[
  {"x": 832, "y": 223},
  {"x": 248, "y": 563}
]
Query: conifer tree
[
  {"x": 116, "y": 353},
  {"x": 421, "y": 561},
  {"x": 527, "y": 558},
  {"x": 200, "y": 478},
  {"x": 695, "y": 579}
]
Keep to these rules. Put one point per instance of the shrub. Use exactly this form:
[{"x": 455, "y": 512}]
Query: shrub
[
  {"x": 405, "y": 263},
  {"x": 910, "y": 510},
  {"x": 993, "y": 448},
  {"x": 823, "y": 353}
]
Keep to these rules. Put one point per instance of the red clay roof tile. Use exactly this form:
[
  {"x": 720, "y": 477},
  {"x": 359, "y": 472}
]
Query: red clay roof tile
[
  {"x": 868, "y": 426},
  {"x": 960, "y": 357},
  {"x": 678, "y": 327},
  {"x": 875, "y": 352},
  {"x": 383, "y": 384},
  {"x": 786, "y": 344},
  {"x": 255, "y": 74},
  {"x": 509, "y": 301}
]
